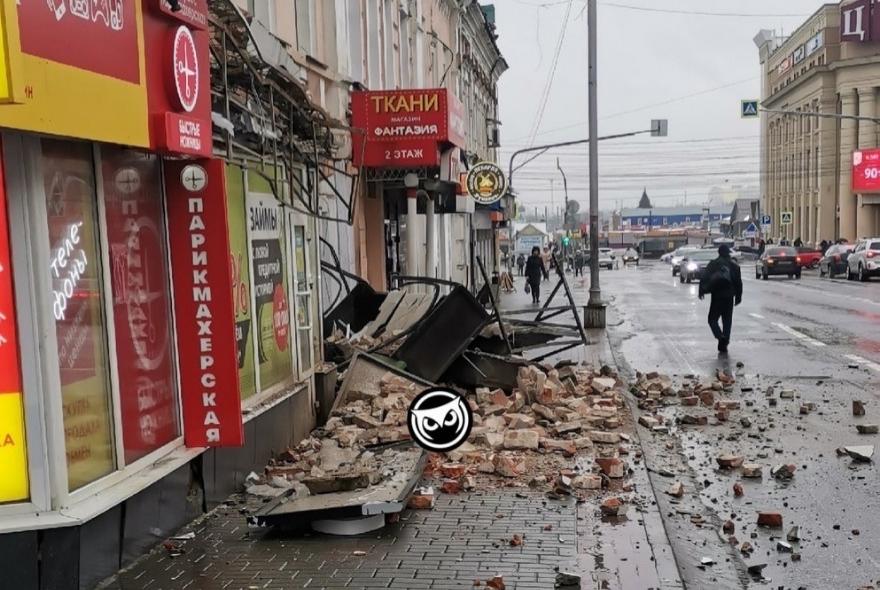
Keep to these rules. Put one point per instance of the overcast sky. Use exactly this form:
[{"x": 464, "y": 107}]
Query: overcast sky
[{"x": 691, "y": 69}]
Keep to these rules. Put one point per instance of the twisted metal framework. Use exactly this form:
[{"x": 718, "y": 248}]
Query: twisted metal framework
[{"x": 270, "y": 120}]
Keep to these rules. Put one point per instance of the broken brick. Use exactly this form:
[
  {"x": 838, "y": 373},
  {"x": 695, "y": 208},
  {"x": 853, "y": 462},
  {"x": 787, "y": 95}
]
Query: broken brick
[
  {"x": 729, "y": 461},
  {"x": 611, "y": 466},
  {"x": 690, "y": 400},
  {"x": 509, "y": 465},
  {"x": 867, "y": 428},
  {"x": 611, "y": 506},
  {"x": 422, "y": 499},
  {"x": 453, "y": 470},
  {"x": 496, "y": 583},
  {"x": 610, "y": 438},
  {"x": 752, "y": 470},
  {"x": 771, "y": 520},
  {"x": 588, "y": 481},
  {"x": 567, "y": 447},
  {"x": 676, "y": 490},
  {"x": 450, "y": 486},
  {"x": 858, "y": 408},
  {"x": 521, "y": 439}
]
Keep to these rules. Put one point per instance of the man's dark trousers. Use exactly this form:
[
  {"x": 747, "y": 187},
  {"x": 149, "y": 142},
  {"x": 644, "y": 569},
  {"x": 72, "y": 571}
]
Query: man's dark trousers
[{"x": 721, "y": 307}]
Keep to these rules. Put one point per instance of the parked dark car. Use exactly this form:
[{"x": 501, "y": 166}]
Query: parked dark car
[
  {"x": 834, "y": 261},
  {"x": 810, "y": 257},
  {"x": 694, "y": 265},
  {"x": 779, "y": 260}
]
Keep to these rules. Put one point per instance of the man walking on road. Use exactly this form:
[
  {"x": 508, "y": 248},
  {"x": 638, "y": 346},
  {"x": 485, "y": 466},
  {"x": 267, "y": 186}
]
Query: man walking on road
[{"x": 723, "y": 280}]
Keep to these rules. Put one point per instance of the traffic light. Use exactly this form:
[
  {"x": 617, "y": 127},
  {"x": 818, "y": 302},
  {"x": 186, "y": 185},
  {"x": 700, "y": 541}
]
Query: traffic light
[{"x": 566, "y": 240}]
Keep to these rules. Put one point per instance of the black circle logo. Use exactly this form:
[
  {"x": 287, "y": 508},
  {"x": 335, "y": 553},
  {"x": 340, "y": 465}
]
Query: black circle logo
[
  {"x": 486, "y": 183},
  {"x": 439, "y": 420}
]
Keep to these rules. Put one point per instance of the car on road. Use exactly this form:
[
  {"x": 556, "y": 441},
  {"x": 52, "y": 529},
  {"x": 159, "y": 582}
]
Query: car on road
[
  {"x": 778, "y": 260},
  {"x": 810, "y": 257},
  {"x": 679, "y": 255},
  {"x": 864, "y": 262},
  {"x": 667, "y": 258},
  {"x": 606, "y": 258},
  {"x": 835, "y": 260},
  {"x": 631, "y": 256},
  {"x": 694, "y": 264}
]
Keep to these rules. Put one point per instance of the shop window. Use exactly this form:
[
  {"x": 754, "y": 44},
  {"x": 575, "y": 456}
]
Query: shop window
[
  {"x": 241, "y": 280},
  {"x": 271, "y": 303},
  {"x": 303, "y": 298},
  {"x": 132, "y": 189},
  {"x": 77, "y": 296}
]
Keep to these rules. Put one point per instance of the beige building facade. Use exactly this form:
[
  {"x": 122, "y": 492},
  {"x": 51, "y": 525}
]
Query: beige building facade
[{"x": 830, "y": 65}]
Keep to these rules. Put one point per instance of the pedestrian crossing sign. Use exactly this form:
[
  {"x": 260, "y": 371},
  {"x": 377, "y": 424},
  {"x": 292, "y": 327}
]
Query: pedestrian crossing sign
[
  {"x": 749, "y": 109},
  {"x": 786, "y": 217},
  {"x": 751, "y": 231}
]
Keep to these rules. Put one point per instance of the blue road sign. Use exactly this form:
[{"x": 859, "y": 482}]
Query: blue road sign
[
  {"x": 749, "y": 109},
  {"x": 765, "y": 220}
]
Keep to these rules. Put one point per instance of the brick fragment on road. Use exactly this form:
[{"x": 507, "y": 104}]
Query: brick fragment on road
[
  {"x": 868, "y": 428},
  {"x": 862, "y": 453},
  {"x": 728, "y": 461},
  {"x": 521, "y": 440},
  {"x": 509, "y": 465},
  {"x": 610, "y": 438},
  {"x": 858, "y": 408},
  {"x": 738, "y": 490},
  {"x": 676, "y": 490},
  {"x": 752, "y": 470},
  {"x": 422, "y": 499},
  {"x": 771, "y": 520},
  {"x": 611, "y": 506},
  {"x": 613, "y": 467}
]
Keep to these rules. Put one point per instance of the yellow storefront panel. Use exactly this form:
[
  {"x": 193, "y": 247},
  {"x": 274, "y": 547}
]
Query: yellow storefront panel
[
  {"x": 85, "y": 97},
  {"x": 13, "y": 453}
]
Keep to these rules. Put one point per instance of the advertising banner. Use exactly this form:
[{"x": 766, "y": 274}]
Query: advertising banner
[
  {"x": 141, "y": 299},
  {"x": 13, "y": 451},
  {"x": 404, "y": 128},
  {"x": 205, "y": 320},
  {"x": 266, "y": 234},
  {"x": 866, "y": 171},
  {"x": 76, "y": 69},
  {"x": 241, "y": 280}
]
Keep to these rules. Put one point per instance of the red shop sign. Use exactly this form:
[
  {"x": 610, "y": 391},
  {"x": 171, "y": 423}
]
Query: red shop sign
[
  {"x": 866, "y": 171},
  {"x": 10, "y": 379},
  {"x": 199, "y": 237},
  {"x": 404, "y": 128},
  {"x": 78, "y": 33},
  {"x": 178, "y": 78}
]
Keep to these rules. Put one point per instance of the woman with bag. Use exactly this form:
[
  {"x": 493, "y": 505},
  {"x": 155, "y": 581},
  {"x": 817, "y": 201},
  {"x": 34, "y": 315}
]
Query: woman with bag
[{"x": 535, "y": 270}]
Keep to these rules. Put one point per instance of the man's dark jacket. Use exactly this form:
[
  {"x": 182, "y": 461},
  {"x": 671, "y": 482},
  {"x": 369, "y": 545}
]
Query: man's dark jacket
[{"x": 732, "y": 289}]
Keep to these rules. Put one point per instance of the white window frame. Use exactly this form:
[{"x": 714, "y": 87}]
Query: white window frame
[{"x": 49, "y": 488}]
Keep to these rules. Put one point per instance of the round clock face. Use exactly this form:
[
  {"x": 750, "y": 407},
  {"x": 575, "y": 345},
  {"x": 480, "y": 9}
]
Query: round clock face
[{"x": 186, "y": 69}]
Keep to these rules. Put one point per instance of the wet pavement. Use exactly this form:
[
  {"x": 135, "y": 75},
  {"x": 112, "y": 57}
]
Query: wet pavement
[{"x": 816, "y": 337}]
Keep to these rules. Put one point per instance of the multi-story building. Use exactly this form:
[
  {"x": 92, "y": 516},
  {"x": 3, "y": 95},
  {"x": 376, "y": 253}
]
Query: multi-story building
[{"x": 830, "y": 65}]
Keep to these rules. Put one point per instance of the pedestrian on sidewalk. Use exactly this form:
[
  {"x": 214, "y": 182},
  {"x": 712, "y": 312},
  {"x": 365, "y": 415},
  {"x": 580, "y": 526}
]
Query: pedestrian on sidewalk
[
  {"x": 535, "y": 270},
  {"x": 521, "y": 263},
  {"x": 723, "y": 281},
  {"x": 579, "y": 263}
]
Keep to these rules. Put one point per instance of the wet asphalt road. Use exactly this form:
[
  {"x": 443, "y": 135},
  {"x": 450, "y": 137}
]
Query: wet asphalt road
[{"x": 806, "y": 335}]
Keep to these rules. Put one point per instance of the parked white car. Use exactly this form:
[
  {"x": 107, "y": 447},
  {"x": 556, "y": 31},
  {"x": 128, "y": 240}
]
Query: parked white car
[
  {"x": 606, "y": 258},
  {"x": 864, "y": 262}
]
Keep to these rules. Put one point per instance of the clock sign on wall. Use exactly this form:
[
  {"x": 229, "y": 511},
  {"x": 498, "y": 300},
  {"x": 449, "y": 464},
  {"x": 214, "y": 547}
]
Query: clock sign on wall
[{"x": 186, "y": 69}]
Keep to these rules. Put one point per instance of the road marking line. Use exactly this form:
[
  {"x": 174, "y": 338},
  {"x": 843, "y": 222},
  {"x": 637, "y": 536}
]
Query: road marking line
[
  {"x": 799, "y": 335},
  {"x": 863, "y": 361},
  {"x": 757, "y": 316}
]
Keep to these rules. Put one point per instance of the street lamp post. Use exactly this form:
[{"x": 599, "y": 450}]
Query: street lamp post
[{"x": 594, "y": 314}]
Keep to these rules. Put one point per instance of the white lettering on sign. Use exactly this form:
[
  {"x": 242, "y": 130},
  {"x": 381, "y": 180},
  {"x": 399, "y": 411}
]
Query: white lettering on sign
[
  {"x": 201, "y": 293},
  {"x": 68, "y": 264},
  {"x": 404, "y": 154},
  {"x": 406, "y": 131},
  {"x": 190, "y": 134},
  {"x": 107, "y": 13},
  {"x": 853, "y": 23}
]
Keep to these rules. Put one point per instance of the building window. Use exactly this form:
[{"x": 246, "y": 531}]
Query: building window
[
  {"x": 77, "y": 306},
  {"x": 132, "y": 195},
  {"x": 271, "y": 321},
  {"x": 305, "y": 11}
]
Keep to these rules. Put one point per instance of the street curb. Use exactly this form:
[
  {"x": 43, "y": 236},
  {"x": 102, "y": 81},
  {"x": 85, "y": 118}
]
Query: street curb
[{"x": 658, "y": 537}]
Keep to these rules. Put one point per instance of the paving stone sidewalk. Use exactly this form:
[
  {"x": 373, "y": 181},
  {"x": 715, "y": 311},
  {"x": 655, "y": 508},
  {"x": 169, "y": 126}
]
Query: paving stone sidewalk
[{"x": 465, "y": 538}]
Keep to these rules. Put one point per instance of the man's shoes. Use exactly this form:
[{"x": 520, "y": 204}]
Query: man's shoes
[{"x": 722, "y": 345}]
